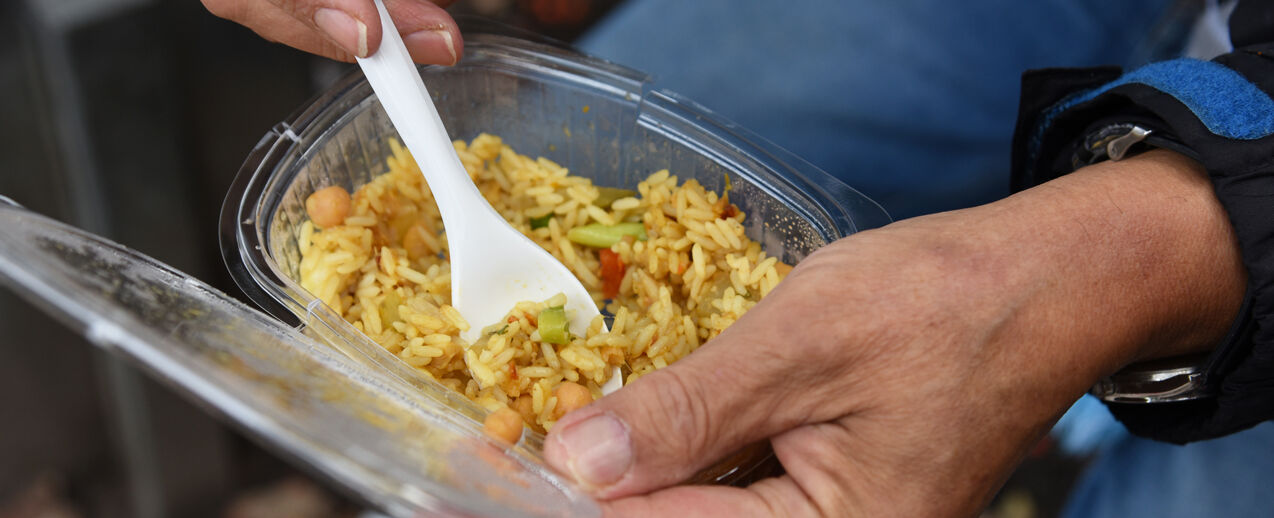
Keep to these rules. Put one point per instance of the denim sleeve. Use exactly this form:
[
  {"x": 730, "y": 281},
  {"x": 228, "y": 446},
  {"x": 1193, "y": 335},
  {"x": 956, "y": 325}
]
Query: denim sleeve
[{"x": 1220, "y": 113}]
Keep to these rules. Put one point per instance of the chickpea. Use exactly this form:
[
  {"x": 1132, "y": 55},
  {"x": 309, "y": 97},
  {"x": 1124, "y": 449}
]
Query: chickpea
[
  {"x": 570, "y": 397},
  {"x": 416, "y": 244},
  {"x": 328, "y": 206},
  {"x": 503, "y": 425}
]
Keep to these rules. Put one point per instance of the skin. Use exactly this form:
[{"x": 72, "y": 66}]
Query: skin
[
  {"x": 906, "y": 371},
  {"x": 902, "y": 371},
  {"x": 430, "y": 34}
]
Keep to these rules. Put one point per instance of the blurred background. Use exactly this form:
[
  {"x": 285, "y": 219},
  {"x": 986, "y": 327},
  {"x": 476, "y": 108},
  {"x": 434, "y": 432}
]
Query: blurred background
[{"x": 130, "y": 118}]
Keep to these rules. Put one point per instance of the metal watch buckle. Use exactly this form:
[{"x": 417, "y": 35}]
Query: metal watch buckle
[
  {"x": 1180, "y": 378},
  {"x": 1110, "y": 143}
]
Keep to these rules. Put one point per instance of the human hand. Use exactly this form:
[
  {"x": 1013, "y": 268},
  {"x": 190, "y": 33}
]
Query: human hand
[
  {"x": 344, "y": 29},
  {"x": 905, "y": 371}
]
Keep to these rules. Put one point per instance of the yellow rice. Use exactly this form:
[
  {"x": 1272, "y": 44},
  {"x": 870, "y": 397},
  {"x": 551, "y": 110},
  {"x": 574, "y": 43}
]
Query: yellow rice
[{"x": 695, "y": 275}]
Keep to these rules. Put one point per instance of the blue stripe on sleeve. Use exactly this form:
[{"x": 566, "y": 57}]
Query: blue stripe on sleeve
[{"x": 1225, "y": 102}]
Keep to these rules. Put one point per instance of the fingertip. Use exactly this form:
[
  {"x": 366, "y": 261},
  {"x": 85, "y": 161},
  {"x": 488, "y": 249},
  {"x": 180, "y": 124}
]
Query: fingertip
[
  {"x": 367, "y": 12},
  {"x": 696, "y": 501},
  {"x": 648, "y": 435},
  {"x": 555, "y": 454},
  {"x": 353, "y": 25},
  {"x": 373, "y": 39},
  {"x": 595, "y": 450},
  {"x": 430, "y": 34},
  {"x": 434, "y": 46},
  {"x": 344, "y": 29}
]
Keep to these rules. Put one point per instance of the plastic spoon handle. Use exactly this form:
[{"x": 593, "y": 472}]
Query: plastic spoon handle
[{"x": 400, "y": 90}]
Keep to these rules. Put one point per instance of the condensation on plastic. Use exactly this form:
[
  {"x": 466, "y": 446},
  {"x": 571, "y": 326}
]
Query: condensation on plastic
[
  {"x": 399, "y": 452},
  {"x": 597, "y": 119}
]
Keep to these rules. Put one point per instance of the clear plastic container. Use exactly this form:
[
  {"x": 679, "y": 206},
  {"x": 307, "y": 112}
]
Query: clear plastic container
[
  {"x": 382, "y": 441},
  {"x": 595, "y": 118}
]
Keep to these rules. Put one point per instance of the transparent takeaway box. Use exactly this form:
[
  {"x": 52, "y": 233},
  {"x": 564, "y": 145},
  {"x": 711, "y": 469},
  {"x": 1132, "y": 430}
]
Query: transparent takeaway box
[{"x": 312, "y": 387}]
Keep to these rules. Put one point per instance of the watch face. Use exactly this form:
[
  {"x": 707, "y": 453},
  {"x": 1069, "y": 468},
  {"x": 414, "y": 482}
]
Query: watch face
[{"x": 1180, "y": 378}]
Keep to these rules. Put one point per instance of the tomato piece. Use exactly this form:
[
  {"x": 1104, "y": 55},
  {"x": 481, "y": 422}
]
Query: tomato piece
[{"x": 612, "y": 273}]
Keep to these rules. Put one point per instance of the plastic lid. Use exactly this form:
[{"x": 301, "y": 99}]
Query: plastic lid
[{"x": 400, "y": 452}]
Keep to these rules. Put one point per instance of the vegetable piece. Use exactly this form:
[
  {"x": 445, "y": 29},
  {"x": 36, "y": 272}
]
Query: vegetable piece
[
  {"x": 504, "y": 425},
  {"x": 389, "y": 308},
  {"x": 612, "y": 273},
  {"x": 598, "y": 235},
  {"x": 328, "y": 206},
  {"x": 552, "y": 325},
  {"x": 570, "y": 397},
  {"x": 607, "y": 195},
  {"x": 542, "y": 221}
]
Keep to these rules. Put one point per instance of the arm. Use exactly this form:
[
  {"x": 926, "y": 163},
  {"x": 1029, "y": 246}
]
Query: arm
[{"x": 906, "y": 370}]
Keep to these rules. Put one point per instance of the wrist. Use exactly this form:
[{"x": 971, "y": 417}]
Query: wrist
[
  {"x": 1137, "y": 255},
  {"x": 1116, "y": 263}
]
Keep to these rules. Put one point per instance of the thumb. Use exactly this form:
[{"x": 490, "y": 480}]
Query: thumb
[
  {"x": 353, "y": 25},
  {"x": 428, "y": 32},
  {"x": 673, "y": 422}
]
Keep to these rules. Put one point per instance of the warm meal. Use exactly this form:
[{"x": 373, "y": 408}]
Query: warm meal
[{"x": 669, "y": 263}]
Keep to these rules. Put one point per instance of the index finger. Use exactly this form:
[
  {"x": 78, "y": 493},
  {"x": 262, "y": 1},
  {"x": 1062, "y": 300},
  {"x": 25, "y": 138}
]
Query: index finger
[{"x": 779, "y": 496}]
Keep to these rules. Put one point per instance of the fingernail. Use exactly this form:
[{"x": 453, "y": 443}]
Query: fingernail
[
  {"x": 596, "y": 451},
  {"x": 432, "y": 45},
  {"x": 346, "y": 31}
]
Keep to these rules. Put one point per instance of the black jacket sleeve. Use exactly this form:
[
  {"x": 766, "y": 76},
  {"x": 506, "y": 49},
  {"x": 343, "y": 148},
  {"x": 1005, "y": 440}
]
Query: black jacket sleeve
[{"x": 1220, "y": 113}]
